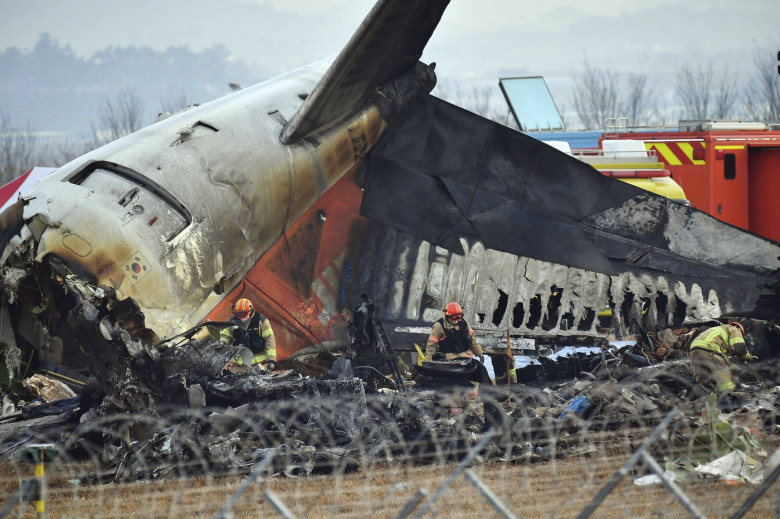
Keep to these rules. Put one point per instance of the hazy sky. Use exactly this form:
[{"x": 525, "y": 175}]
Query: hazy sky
[{"x": 477, "y": 39}]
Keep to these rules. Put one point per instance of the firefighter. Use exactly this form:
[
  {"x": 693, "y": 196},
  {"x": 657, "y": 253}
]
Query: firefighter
[
  {"x": 453, "y": 336},
  {"x": 710, "y": 352},
  {"x": 447, "y": 330},
  {"x": 251, "y": 329}
]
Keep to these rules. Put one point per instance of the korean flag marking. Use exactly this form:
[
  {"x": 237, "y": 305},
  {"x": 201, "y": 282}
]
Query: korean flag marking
[{"x": 136, "y": 267}]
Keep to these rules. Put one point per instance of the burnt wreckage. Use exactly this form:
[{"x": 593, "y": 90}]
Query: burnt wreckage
[
  {"x": 307, "y": 190},
  {"x": 357, "y": 411}
]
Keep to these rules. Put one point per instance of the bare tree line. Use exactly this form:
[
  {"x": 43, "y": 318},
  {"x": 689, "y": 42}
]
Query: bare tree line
[
  {"x": 479, "y": 99},
  {"x": 17, "y": 148},
  {"x": 600, "y": 94},
  {"x": 762, "y": 99},
  {"x": 703, "y": 92},
  {"x": 706, "y": 93},
  {"x": 120, "y": 115}
]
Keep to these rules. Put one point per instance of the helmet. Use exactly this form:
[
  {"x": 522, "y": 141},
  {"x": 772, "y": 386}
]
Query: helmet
[
  {"x": 242, "y": 308},
  {"x": 741, "y": 329},
  {"x": 453, "y": 312}
]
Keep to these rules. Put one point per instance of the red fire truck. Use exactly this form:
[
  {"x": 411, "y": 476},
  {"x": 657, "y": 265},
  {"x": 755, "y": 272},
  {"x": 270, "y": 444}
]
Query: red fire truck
[{"x": 729, "y": 169}]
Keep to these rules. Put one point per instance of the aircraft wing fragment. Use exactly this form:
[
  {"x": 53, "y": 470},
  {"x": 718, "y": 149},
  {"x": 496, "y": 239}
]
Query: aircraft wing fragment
[
  {"x": 388, "y": 43},
  {"x": 442, "y": 173}
]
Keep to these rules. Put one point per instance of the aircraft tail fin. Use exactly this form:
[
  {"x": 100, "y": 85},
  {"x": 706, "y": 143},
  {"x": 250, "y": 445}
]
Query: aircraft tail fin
[{"x": 389, "y": 42}]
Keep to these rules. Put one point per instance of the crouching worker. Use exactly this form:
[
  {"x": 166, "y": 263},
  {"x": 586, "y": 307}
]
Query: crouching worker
[
  {"x": 710, "y": 352},
  {"x": 453, "y": 338},
  {"x": 251, "y": 329}
]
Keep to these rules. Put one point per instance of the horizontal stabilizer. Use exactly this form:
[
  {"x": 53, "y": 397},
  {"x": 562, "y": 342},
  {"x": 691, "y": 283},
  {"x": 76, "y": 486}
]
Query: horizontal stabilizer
[
  {"x": 457, "y": 175},
  {"x": 387, "y": 44}
]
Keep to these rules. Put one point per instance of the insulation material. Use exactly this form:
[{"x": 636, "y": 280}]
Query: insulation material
[{"x": 47, "y": 389}]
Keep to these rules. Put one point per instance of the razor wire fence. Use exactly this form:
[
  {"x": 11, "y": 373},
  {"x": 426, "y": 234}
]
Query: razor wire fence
[{"x": 434, "y": 454}]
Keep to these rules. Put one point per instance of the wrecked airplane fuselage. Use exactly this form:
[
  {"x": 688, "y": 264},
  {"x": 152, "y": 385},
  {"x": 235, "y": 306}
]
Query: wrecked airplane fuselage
[
  {"x": 308, "y": 189},
  {"x": 146, "y": 234}
]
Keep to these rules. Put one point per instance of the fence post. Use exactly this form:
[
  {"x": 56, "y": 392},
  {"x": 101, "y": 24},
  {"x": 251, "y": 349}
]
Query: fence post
[
  {"x": 674, "y": 489},
  {"x": 491, "y": 498},
  {"x": 412, "y": 504},
  {"x": 38, "y": 454},
  {"x": 278, "y": 504},
  {"x": 225, "y": 512},
  {"x": 27, "y": 487}
]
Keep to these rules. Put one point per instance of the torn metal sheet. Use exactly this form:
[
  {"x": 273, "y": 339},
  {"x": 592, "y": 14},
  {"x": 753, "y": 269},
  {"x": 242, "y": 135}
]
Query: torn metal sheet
[
  {"x": 61, "y": 422},
  {"x": 249, "y": 388},
  {"x": 207, "y": 359},
  {"x": 737, "y": 465},
  {"x": 490, "y": 198},
  {"x": 531, "y": 298}
]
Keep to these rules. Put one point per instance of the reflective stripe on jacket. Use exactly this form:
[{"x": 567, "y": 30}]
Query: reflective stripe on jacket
[
  {"x": 257, "y": 359},
  {"x": 257, "y": 335},
  {"x": 725, "y": 340},
  {"x": 448, "y": 338}
]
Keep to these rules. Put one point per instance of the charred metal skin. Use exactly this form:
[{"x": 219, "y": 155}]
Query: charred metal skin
[
  {"x": 172, "y": 217},
  {"x": 529, "y": 238},
  {"x": 204, "y": 209}
]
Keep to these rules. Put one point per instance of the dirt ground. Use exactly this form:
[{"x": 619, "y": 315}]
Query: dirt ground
[{"x": 559, "y": 488}]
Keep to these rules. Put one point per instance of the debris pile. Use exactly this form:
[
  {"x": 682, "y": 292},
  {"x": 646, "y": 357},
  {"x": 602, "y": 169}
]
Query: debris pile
[{"x": 337, "y": 416}]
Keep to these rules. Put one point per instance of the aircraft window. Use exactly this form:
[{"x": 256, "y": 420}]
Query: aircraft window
[{"x": 142, "y": 204}]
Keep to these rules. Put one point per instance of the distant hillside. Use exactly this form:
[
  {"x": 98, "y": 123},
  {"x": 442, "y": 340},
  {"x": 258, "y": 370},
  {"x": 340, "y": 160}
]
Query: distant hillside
[{"x": 53, "y": 90}]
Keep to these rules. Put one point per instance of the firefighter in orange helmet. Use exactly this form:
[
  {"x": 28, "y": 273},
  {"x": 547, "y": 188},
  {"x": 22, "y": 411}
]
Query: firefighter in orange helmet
[
  {"x": 453, "y": 336},
  {"x": 710, "y": 352},
  {"x": 251, "y": 329}
]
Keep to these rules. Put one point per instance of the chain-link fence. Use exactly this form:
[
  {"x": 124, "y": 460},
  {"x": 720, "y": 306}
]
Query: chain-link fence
[{"x": 431, "y": 453}]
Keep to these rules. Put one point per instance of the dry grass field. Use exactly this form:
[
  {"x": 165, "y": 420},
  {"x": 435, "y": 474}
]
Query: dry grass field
[{"x": 559, "y": 488}]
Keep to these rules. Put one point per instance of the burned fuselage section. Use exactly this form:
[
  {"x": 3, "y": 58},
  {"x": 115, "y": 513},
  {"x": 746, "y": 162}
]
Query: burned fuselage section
[
  {"x": 529, "y": 238},
  {"x": 529, "y": 297},
  {"x": 140, "y": 239}
]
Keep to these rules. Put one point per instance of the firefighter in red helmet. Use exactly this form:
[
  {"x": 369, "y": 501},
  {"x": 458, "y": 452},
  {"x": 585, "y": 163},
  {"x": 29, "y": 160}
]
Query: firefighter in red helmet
[
  {"x": 453, "y": 336},
  {"x": 253, "y": 330}
]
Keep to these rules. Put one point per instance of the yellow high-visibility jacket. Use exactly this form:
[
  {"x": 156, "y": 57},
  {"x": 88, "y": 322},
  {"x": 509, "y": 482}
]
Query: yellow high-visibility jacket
[
  {"x": 725, "y": 340},
  {"x": 256, "y": 334}
]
